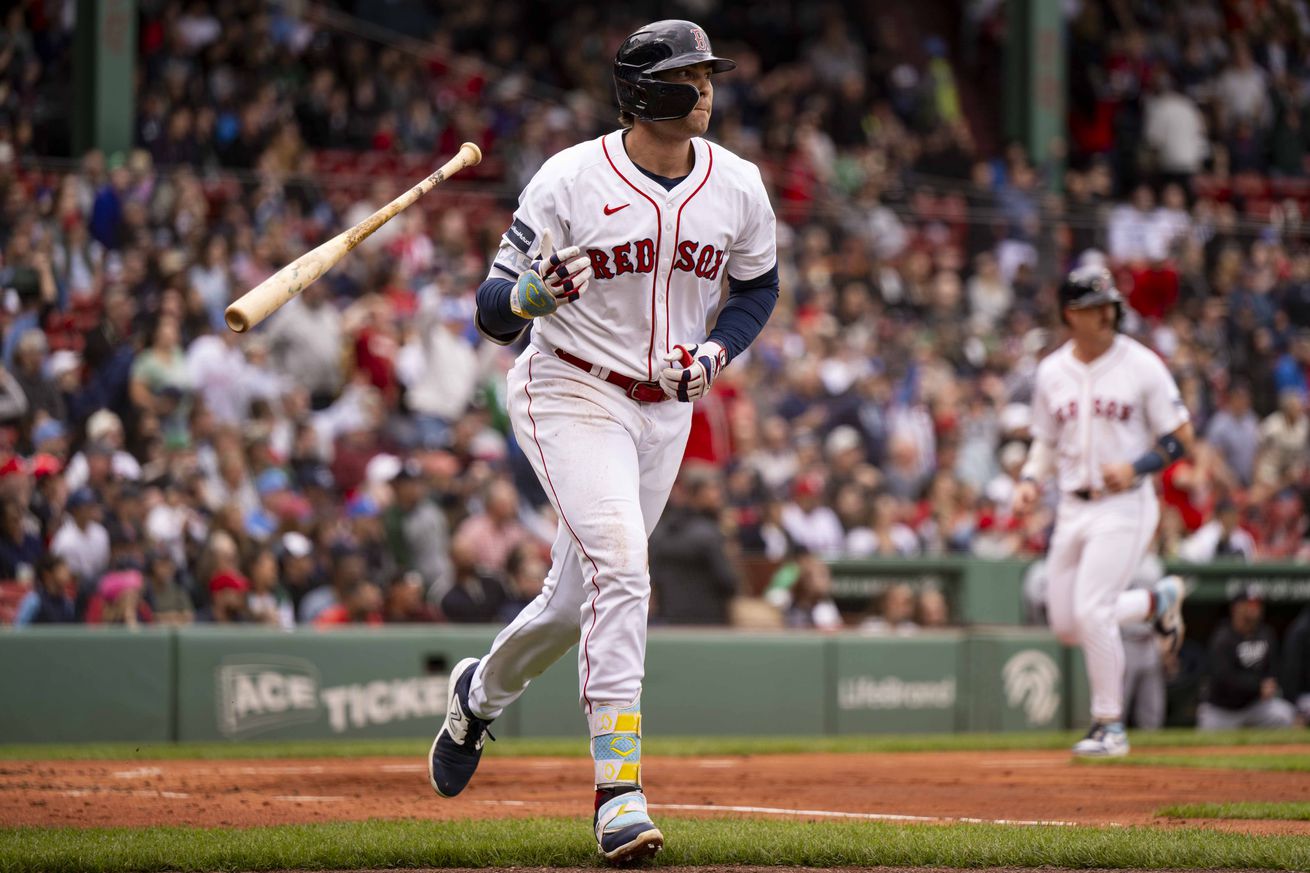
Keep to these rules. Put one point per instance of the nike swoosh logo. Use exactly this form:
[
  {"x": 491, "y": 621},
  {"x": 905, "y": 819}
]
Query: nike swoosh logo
[{"x": 609, "y": 211}]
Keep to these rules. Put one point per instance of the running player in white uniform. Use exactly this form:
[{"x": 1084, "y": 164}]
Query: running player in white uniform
[
  {"x": 643, "y": 262},
  {"x": 1106, "y": 414}
]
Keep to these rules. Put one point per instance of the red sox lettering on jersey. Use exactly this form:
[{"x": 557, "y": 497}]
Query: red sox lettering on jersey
[
  {"x": 1131, "y": 401},
  {"x": 659, "y": 257}
]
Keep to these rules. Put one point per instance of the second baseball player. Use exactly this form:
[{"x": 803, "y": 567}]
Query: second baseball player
[{"x": 1106, "y": 415}]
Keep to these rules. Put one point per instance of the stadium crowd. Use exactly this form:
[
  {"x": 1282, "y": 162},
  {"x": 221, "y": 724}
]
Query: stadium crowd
[{"x": 350, "y": 461}]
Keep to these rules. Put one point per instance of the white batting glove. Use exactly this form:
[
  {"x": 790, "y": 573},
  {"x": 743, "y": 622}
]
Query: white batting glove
[
  {"x": 550, "y": 281},
  {"x": 692, "y": 369}
]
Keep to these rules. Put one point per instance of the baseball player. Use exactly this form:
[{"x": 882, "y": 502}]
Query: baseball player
[
  {"x": 615, "y": 262},
  {"x": 1105, "y": 415}
]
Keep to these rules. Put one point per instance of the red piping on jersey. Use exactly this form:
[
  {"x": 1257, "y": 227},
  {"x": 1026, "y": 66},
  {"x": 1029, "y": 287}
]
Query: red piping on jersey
[
  {"x": 595, "y": 571},
  {"x": 677, "y": 231},
  {"x": 655, "y": 277}
]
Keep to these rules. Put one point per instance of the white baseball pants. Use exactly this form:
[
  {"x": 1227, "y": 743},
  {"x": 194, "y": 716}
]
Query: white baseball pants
[
  {"x": 607, "y": 463},
  {"x": 1096, "y": 548}
]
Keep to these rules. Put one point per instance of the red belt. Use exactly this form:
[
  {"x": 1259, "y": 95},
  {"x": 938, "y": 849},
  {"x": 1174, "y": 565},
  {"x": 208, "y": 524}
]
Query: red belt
[{"x": 643, "y": 392}]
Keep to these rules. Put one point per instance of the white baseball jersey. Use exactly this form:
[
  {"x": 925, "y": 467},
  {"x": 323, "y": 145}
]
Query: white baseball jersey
[
  {"x": 659, "y": 256},
  {"x": 1109, "y": 411}
]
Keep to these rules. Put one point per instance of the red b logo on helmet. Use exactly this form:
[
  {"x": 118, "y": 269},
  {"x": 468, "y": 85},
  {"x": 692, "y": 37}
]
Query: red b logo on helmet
[{"x": 698, "y": 36}]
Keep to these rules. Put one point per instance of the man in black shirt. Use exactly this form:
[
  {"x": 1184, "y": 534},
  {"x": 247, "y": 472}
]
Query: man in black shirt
[
  {"x": 1243, "y": 690},
  {"x": 692, "y": 577}
]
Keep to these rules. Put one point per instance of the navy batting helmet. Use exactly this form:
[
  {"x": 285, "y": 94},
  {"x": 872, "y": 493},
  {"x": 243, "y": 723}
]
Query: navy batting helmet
[
  {"x": 1090, "y": 286},
  {"x": 662, "y": 45}
]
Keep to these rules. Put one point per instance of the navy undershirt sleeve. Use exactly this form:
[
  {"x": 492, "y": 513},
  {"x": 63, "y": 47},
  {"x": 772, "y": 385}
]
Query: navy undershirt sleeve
[
  {"x": 494, "y": 312},
  {"x": 750, "y": 303}
]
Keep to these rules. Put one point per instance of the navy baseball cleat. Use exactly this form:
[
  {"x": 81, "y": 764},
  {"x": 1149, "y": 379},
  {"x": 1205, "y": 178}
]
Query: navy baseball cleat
[
  {"x": 1104, "y": 740},
  {"x": 624, "y": 831},
  {"x": 457, "y": 748},
  {"x": 1169, "y": 594}
]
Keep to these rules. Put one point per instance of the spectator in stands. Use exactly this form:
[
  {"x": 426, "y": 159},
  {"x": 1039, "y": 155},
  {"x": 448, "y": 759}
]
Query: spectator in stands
[
  {"x": 160, "y": 378},
  {"x": 886, "y": 535},
  {"x": 299, "y": 572},
  {"x": 894, "y": 613},
  {"x": 525, "y": 575},
  {"x": 1221, "y": 537},
  {"x": 810, "y": 522},
  {"x": 802, "y": 590},
  {"x": 406, "y": 600},
  {"x": 478, "y": 595},
  {"x": 692, "y": 575},
  {"x": 931, "y": 609},
  {"x": 82, "y": 540},
  {"x": 54, "y": 599},
  {"x": 1175, "y": 128},
  {"x": 165, "y": 594},
  {"x": 118, "y": 600},
  {"x": 360, "y": 603},
  {"x": 491, "y": 533},
  {"x": 43, "y": 400},
  {"x": 228, "y": 590},
  {"x": 418, "y": 534},
  {"x": 1235, "y": 432},
  {"x": 21, "y": 548},
  {"x": 1241, "y": 90},
  {"x": 305, "y": 339},
  {"x": 268, "y": 602},
  {"x": 1243, "y": 689},
  {"x": 1284, "y": 435}
]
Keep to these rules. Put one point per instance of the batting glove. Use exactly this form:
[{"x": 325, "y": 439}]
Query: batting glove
[
  {"x": 692, "y": 369},
  {"x": 550, "y": 281}
]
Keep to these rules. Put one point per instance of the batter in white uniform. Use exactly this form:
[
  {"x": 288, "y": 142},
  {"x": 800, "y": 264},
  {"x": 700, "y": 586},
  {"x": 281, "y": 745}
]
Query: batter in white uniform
[
  {"x": 643, "y": 262},
  {"x": 1106, "y": 414}
]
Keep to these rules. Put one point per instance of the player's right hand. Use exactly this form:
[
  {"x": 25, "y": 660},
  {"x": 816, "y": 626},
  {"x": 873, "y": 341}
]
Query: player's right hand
[
  {"x": 552, "y": 280},
  {"x": 1026, "y": 494}
]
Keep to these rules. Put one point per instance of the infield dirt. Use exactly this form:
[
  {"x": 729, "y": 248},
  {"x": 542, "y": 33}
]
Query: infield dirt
[{"x": 1013, "y": 786}]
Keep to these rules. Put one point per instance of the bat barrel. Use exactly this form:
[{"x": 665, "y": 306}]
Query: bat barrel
[{"x": 268, "y": 296}]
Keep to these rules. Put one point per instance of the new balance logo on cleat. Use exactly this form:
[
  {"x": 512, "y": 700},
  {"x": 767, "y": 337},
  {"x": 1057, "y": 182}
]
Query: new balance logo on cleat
[{"x": 457, "y": 748}]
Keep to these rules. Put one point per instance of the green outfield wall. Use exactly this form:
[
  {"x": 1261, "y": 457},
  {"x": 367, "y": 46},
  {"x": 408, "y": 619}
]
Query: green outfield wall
[
  {"x": 991, "y": 592},
  {"x": 214, "y": 684},
  {"x": 205, "y": 683}
]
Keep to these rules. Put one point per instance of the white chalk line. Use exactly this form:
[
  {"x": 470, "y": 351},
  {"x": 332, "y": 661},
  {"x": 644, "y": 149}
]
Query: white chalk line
[
  {"x": 140, "y": 792},
  {"x": 307, "y": 798},
  {"x": 866, "y": 816},
  {"x": 404, "y": 768},
  {"x": 821, "y": 813}
]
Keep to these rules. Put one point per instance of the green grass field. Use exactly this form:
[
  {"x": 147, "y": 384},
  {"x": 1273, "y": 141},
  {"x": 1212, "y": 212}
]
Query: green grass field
[
  {"x": 1266, "y": 811},
  {"x": 567, "y": 843},
  {"x": 388, "y": 844},
  {"x": 1274, "y": 763},
  {"x": 668, "y": 746}
]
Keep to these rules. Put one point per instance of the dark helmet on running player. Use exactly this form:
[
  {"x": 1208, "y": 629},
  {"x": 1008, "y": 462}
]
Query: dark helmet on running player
[
  {"x": 662, "y": 45},
  {"x": 1089, "y": 286}
]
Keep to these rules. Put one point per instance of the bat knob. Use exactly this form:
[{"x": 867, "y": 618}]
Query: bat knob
[{"x": 472, "y": 147}]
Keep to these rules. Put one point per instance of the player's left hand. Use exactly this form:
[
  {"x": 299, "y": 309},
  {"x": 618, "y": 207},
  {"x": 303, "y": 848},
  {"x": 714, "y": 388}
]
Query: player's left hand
[
  {"x": 692, "y": 369},
  {"x": 554, "y": 279},
  {"x": 1118, "y": 477}
]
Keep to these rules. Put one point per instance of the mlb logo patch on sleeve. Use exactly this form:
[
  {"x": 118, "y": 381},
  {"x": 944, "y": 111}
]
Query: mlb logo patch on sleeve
[{"x": 520, "y": 236}]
